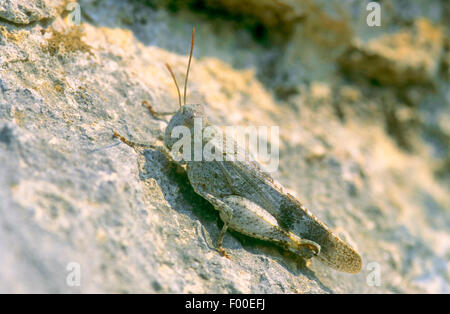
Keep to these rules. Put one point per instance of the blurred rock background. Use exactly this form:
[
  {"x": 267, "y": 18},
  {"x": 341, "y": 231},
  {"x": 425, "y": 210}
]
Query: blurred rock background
[{"x": 364, "y": 122}]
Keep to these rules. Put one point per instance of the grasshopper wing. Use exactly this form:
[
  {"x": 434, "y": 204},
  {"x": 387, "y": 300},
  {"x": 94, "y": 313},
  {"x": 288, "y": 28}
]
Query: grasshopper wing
[{"x": 258, "y": 186}]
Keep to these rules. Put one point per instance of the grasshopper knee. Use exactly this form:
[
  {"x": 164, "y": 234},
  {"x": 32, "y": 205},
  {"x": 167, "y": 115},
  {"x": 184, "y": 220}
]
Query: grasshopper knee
[{"x": 304, "y": 248}]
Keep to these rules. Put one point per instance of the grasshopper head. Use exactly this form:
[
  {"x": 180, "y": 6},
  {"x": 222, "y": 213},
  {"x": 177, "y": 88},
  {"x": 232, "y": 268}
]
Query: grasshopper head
[{"x": 182, "y": 121}]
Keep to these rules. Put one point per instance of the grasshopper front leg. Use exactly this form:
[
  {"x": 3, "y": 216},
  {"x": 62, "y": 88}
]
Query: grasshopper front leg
[
  {"x": 246, "y": 217},
  {"x": 136, "y": 145}
]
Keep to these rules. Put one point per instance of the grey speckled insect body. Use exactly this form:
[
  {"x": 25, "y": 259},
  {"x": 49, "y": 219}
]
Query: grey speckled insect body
[{"x": 251, "y": 202}]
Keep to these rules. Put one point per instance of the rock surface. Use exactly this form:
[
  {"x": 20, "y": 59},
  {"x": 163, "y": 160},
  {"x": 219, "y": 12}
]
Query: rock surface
[
  {"x": 364, "y": 122},
  {"x": 24, "y": 12}
]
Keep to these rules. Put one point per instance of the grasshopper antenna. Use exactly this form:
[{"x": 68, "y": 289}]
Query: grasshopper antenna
[
  {"x": 175, "y": 80},
  {"x": 189, "y": 64}
]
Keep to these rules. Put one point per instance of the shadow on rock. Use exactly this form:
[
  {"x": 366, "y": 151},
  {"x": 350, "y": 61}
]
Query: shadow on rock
[{"x": 169, "y": 174}]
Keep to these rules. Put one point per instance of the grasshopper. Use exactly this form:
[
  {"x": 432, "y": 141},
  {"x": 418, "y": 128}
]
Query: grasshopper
[{"x": 249, "y": 201}]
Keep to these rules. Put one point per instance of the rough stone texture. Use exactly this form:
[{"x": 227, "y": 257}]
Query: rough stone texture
[
  {"x": 25, "y": 11},
  {"x": 403, "y": 58},
  {"x": 368, "y": 154}
]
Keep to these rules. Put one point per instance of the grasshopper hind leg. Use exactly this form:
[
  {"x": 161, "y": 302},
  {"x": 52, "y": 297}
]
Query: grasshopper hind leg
[
  {"x": 220, "y": 249},
  {"x": 246, "y": 217}
]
